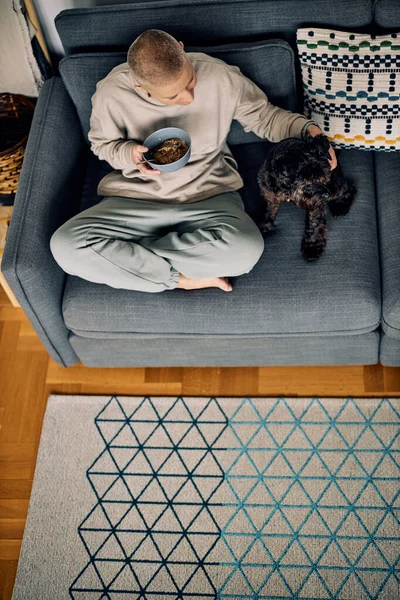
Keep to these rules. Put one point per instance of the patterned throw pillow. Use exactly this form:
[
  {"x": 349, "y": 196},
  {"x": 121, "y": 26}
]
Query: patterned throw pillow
[{"x": 351, "y": 84}]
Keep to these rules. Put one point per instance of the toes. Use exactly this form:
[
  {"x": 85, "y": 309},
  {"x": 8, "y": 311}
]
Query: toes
[{"x": 225, "y": 285}]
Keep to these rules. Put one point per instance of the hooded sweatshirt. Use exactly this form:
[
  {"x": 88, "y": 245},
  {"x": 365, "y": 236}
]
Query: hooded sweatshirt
[{"x": 123, "y": 116}]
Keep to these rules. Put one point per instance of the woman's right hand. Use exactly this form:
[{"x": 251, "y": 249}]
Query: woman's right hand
[{"x": 137, "y": 156}]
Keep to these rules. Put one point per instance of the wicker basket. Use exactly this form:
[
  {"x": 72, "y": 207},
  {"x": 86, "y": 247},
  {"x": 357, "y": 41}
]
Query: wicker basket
[{"x": 16, "y": 114}]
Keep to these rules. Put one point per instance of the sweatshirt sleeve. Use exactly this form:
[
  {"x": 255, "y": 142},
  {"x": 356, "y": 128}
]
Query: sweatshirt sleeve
[
  {"x": 107, "y": 136},
  {"x": 255, "y": 112}
]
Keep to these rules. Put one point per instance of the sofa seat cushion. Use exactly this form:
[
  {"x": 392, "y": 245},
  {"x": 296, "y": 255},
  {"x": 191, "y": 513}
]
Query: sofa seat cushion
[
  {"x": 387, "y": 174},
  {"x": 283, "y": 294}
]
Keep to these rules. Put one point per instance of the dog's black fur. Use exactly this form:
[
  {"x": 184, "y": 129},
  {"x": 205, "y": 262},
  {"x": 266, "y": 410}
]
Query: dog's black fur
[{"x": 299, "y": 171}]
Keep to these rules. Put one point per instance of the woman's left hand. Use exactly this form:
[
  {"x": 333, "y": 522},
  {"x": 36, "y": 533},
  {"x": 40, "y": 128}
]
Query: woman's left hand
[{"x": 315, "y": 130}]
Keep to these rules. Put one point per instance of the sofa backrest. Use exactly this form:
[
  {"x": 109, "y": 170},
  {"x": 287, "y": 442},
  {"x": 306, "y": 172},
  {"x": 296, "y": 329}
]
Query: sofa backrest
[
  {"x": 212, "y": 26},
  {"x": 269, "y": 64},
  {"x": 387, "y": 14},
  {"x": 206, "y": 22},
  {"x": 202, "y": 24}
]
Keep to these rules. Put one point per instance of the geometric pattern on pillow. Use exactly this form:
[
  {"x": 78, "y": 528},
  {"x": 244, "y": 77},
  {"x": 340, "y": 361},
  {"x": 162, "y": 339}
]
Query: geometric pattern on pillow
[{"x": 351, "y": 86}]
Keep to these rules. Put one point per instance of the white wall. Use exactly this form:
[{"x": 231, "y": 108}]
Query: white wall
[
  {"x": 19, "y": 71},
  {"x": 47, "y": 10}
]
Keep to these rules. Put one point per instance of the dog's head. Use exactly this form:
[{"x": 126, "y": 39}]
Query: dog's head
[{"x": 295, "y": 163}]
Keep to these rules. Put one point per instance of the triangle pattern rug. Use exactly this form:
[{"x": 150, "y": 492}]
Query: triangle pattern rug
[{"x": 152, "y": 498}]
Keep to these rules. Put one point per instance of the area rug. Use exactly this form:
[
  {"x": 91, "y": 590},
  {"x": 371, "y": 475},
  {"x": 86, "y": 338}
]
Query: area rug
[{"x": 152, "y": 498}]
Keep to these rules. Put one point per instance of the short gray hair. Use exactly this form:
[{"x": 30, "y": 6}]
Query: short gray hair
[{"x": 156, "y": 58}]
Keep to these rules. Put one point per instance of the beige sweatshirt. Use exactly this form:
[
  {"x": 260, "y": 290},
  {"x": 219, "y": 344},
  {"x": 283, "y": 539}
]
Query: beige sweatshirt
[{"x": 123, "y": 116}]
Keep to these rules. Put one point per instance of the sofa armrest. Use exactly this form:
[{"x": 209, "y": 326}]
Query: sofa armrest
[
  {"x": 387, "y": 177},
  {"x": 48, "y": 194}
]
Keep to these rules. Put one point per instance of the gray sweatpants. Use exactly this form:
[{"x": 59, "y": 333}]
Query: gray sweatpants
[{"x": 143, "y": 245}]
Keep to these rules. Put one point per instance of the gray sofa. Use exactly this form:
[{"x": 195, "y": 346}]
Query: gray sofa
[{"x": 344, "y": 309}]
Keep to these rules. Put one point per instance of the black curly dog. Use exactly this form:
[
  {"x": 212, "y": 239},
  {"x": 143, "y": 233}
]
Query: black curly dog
[{"x": 299, "y": 171}]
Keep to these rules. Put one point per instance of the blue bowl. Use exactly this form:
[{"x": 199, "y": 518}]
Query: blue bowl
[{"x": 161, "y": 135}]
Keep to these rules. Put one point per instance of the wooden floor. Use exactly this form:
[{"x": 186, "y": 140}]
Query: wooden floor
[{"x": 28, "y": 376}]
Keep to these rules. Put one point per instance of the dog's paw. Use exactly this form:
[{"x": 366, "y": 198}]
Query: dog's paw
[
  {"x": 339, "y": 209},
  {"x": 311, "y": 251},
  {"x": 340, "y": 205}
]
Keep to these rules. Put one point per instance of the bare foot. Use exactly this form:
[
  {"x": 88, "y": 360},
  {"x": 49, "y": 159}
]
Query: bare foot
[{"x": 185, "y": 283}]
